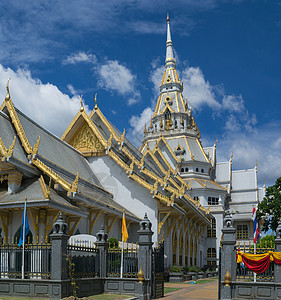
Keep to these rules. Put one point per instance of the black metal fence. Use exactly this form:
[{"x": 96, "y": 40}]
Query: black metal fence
[
  {"x": 130, "y": 262},
  {"x": 83, "y": 261},
  {"x": 158, "y": 271},
  {"x": 37, "y": 261},
  {"x": 243, "y": 273}
]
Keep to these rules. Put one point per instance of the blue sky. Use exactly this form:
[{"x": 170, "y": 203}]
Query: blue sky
[{"x": 227, "y": 52}]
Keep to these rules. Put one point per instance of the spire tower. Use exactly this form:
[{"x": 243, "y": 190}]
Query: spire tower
[{"x": 169, "y": 46}]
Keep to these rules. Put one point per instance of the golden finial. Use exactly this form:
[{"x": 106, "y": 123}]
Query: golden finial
[
  {"x": 144, "y": 131},
  {"x": 161, "y": 123},
  {"x": 140, "y": 276},
  {"x": 256, "y": 164},
  {"x": 82, "y": 106},
  {"x": 35, "y": 148},
  {"x": 96, "y": 104},
  {"x": 74, "y": 184},
  {"x": 168, "y": 17},
  {"x": 151, "y": 123},
  {"x": 231, "y": 157},
  {"x": 227, "y": 278},
  {"x": 264, "y": 183},
  {"x": 182, "y": 123},
  {"x": 8, "y": 91},
  {"x": 215, "y": 144}
]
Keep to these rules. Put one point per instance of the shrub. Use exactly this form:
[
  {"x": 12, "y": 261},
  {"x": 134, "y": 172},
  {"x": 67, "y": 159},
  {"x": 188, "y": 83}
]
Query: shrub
[
  {"x": 113, "y": 242},
  {"x": 175, "y": 269},
  {"x": 194, "y": 269}
]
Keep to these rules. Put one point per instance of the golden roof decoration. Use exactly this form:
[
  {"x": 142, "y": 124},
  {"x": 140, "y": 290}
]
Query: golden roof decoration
[
  {"x": 35, "y": 148},
  {"x": 81, "y": 102},
  {"x": 8, "y": 91},
  {"x": 122, "y": 138},
  {"x": 96, "y": 104},
  {"x": 144, "y": 131},
  {"x": 74, "y": 184}
]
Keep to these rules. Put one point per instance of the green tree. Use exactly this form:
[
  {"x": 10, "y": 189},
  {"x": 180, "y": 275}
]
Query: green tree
[{"x": 269, "y": 209}]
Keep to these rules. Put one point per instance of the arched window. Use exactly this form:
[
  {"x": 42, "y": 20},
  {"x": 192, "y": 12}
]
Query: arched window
[
  {"x": 186, "y": 169},
  {"x": 182, "y": 169},
  {"x": 197, "y": 170},
  {"x": 167, "y": 115},
  {"x": 202, "y": 170}
]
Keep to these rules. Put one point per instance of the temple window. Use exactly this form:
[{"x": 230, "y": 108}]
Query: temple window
[
  {"x": 197, "y": 170},
  {"x": 211, "y": 230},
  {"x": 186, "y": 169},
  {"x": 213, "y": 201},
  {"x": 202, "y": 170},
  {"x": 242, "y": 232},
  {"x": 211, "y": 253},
  {"x": 182, "y": 169}
]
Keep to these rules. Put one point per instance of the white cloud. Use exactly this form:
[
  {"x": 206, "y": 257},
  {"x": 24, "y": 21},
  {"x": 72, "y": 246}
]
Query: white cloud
[
  {"x": 249, "y": 147},
  {"x": 44, "y": 103},
  {"x": 117, "y": 77},
  {"x": 198, "y": 91},
  {"x": 79, "y": 57},
  {"x": 135, "y": 133}
]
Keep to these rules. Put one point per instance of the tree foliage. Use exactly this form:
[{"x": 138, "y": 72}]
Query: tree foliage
[
  {"x": 269, "y": 209},
  {"x": 267, "y": 242}
]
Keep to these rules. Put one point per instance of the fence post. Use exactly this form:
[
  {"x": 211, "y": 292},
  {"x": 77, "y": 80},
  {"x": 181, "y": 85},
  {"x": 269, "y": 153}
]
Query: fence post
[
  {"x": 145, "y": 252},
  {"x": 59, "y": 239},
  {"x": 277, "y": 268},
  {"x": 145, "y": 247},
  {"x": 102, "y": 245},
  {"x": 228, "y": 256}
]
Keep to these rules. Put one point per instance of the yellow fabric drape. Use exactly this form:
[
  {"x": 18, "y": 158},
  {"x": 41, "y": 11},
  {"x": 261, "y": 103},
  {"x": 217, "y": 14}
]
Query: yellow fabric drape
[{"x": 257, "y": 257}]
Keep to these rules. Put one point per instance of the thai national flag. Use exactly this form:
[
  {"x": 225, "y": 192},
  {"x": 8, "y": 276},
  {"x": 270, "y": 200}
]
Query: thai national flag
[{"x": 256, "y": 225}]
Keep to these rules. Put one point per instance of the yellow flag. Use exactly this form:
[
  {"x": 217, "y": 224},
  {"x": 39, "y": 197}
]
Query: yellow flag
[{"x": 124, "y": 228}]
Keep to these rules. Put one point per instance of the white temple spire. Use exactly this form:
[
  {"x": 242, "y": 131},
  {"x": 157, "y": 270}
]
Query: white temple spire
[{"x": 169, "y": 45}]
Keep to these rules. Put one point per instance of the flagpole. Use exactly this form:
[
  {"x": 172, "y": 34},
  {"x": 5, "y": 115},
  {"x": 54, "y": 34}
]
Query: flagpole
[
  {"x": 23, "y": 234},
  {"x": 121, "y": 269},
  {"x": 255, "y": 274}
]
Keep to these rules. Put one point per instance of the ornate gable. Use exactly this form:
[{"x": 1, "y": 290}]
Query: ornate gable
[{"x": 87, "y": 142}]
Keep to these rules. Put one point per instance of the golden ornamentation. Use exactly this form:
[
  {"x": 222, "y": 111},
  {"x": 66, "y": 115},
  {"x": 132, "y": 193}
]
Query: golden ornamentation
[
  {"x": 3, "y": 177},
  {"x": 140, "y": 276},
  {"x": 15, "y": 178},
  {"x": 7, "y": 98},
  {"x": 144, "y": 131},
  {"x": 55, "y": 177},
  {"x": 2, "y": 106},
  {"x": 35, "y": 148},
  {"x": 109, "y": 142},
  {"x": 4, "y": 152},
  {"x": 96, "y": 104},
  {"x": 85, "y": 140},
  {"x": 82, "y": 105},
  {"x": 44, "y": 189},
  {"x": 151, "y": 126},
  {"x": 161, "y": 123},
  {"x": 227, "y": 278},
  {"x": 17, "y": 124},
  {"x": 74, "y": 184}
]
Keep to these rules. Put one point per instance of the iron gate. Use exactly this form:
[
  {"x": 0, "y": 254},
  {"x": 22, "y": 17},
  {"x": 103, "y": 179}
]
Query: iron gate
[{"x": 158, "y": 271}]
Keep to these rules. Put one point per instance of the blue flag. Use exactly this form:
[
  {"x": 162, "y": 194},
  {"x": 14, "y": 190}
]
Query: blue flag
[{"x": 24, "y": 216}]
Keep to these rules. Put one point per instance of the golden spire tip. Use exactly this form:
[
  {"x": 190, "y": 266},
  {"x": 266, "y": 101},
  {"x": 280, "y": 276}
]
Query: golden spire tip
[
  {"x": 96, "y": 104},
  {"x": 8, "y": 91},
  {"x": 82, "y": 106}
]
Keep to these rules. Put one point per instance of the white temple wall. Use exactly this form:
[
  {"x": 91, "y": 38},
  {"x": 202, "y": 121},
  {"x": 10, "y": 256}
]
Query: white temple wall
[{"x": 125, "y": 190}]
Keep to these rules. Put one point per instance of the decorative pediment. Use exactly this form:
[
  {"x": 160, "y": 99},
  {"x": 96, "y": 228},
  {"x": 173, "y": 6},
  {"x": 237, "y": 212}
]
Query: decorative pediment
[{"x": 87, "y": 142}]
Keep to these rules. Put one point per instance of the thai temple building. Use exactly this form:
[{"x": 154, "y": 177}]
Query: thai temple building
[{"x": 93, "y": 172}]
